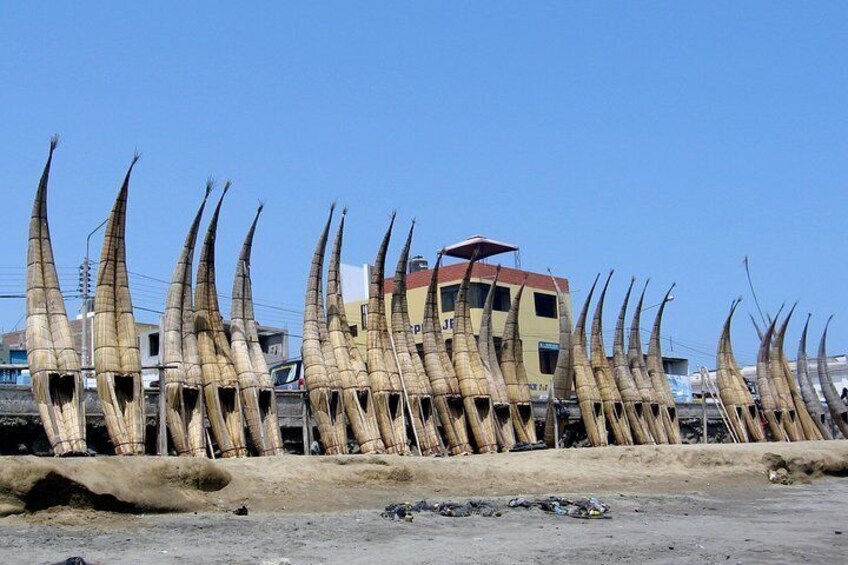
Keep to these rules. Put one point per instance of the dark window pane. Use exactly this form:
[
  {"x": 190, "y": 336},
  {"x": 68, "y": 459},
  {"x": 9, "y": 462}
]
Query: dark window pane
[
  {"x": 153, "y": 344},
  {"x": 354, "y": 331},
  {"x": 477, "y": 293},
  {"x": 545, "y": 305},
  {"x": 547, "y": 359},
  {"x": 363, "y": 314},
  {"x": 448, "y": 294},
  {"x": 502, "y": 299}
]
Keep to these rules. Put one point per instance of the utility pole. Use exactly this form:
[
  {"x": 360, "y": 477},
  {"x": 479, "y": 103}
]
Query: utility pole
[
  {"x": 85, "y": 283},
  {"x": 85, "y": 289}
]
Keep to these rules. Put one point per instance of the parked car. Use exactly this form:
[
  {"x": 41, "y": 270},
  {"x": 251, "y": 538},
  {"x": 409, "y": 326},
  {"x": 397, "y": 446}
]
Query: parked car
[{"x": 288, "y": 375}]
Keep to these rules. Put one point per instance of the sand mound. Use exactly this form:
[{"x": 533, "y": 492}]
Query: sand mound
[
  {"x": 805, "y": 468},
  {"x": 113, "y": 484},
  {"x": 322, "y": 484}
]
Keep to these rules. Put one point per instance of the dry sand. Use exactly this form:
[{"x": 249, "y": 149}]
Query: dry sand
[{"x": 710, "y": 504}]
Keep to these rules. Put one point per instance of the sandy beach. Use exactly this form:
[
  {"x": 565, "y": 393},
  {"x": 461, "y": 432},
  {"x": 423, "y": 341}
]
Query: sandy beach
[{"x": 669, "y": 504}]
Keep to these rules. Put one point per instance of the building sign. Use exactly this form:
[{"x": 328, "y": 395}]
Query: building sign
[
  {"x": 446, "y": 325},
  {"x": 548, "y": 346}
]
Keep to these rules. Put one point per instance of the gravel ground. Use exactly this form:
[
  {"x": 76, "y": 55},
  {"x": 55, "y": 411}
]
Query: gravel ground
[{"x": 747, "y": 523}]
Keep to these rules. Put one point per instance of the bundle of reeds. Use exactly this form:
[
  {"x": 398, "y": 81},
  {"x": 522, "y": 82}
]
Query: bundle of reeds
[
  {"x": 183, "y": 376},
  {"x": 472, "y": 383},
  {"x": 811, "y": 397},
  {"x": 639, "y": 370},
  {"x": 611, "y": 397},
  {"x": 53, "y": 361},
  {"x": 323, "y": 387},
  {"x": 220, "y": 382},
  {"x": 562, "y": 381},
  {"x": 383, "y": 373},
  {"x": 419, "y": 393},
  {"x": 515, "y": 375},
  {"x": 259, "y": 402},
  {"x": 117, "y": 362},
  {"x": 779, "y": 365},
  {"x": 634, "y": 406},
  {"x": 729, "y": 387},
  {"x": 770, "y": 405},
  {"x": 440, "y": 372},
  {"x": 356, "y": 392},
  {"x": 838, "y": 410},
  {"x": 588, "y": 395},
  {"x": 781, "y": 390},
  {"x": 668, "y": 407},
  {"x": 501, "y": 407}
]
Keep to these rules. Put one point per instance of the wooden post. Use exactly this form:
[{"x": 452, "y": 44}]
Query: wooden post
[
  {"x": 704, "y": 406},
  {"x": 406, "y": 397},
  {"x": 307, "y": 439},
  {"x": 162, "y": 426}
]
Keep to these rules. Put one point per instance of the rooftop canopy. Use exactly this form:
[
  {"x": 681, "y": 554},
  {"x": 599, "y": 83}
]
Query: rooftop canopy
[{"x": 484, "y": 247}]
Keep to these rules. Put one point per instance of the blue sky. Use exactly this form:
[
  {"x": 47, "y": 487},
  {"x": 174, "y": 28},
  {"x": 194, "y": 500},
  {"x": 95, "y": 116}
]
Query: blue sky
[{"x": 661, "y": 139}]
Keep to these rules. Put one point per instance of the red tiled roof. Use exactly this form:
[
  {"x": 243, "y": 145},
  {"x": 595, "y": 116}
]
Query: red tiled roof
[{"x": 455, "y": 272}]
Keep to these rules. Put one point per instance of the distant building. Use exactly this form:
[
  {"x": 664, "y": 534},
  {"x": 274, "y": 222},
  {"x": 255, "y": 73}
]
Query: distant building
[
  {"x": 538, "y": 314},
  {"x": 837, "y": 365},
  {"x": 273, "y": 341}
]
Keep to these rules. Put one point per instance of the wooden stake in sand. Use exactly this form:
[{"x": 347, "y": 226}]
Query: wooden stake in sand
[
  {"x": 562, "y": 381},
  {"x": 613, "y": 406},
  {"x": 668, "y": 408},
  {"x": 779, "y": 365},
  {"x": 439, "y": 368},
  {"x": 472, "y": 381},
  {"x": 515, "y": 375},
  {"x": 383, "y": 373},
  {"x": 501, "y": 407},
  {"x": 353, "y": 374},
  {"x": 183, "y": 375},
  {"x": 117, "y": 361},
  {"x": 323, "y": 387},
  {"x": 634, "y": 406},
  {"x": 838, "y": 410},
  {"x": 53, "y": 361},
  {"x": 588, "y": 395},
  {"x": 811, "y": 397},
  {"x": 415, "y": 381},
  {"x": 258, "y": 399},
  {"x": 639, "y": 370},
  {"x": 220, "y": 382}
]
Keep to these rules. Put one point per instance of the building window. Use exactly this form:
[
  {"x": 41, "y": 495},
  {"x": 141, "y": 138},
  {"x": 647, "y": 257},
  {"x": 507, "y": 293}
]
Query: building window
[
  {"x": 363, "y": 313},
  {"x": 354, "y": 331},
  {"x": 546, "y": 306},
  {"x": 153, "y": 344},
  {"x": 477, "y": 293},
  {"x": 449, "y": 347},
  {"x": 548, "y": 353}
]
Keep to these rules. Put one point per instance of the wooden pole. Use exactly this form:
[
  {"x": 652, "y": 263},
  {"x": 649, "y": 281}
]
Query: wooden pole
[
  {"x": 307, "y": 440},
  {"x": 162, "y": 440},
  {"x": 553, "y": 402},
  {"x": 704, "y": 375},
  {"x": 406, "y": 396}
]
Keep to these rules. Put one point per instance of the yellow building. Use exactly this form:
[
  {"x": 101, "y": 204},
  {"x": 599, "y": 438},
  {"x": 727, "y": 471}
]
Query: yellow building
[{"x": 538, "y": 314}]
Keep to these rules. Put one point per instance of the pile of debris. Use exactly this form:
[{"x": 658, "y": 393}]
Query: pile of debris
[{"x": 586, "y": 508}]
